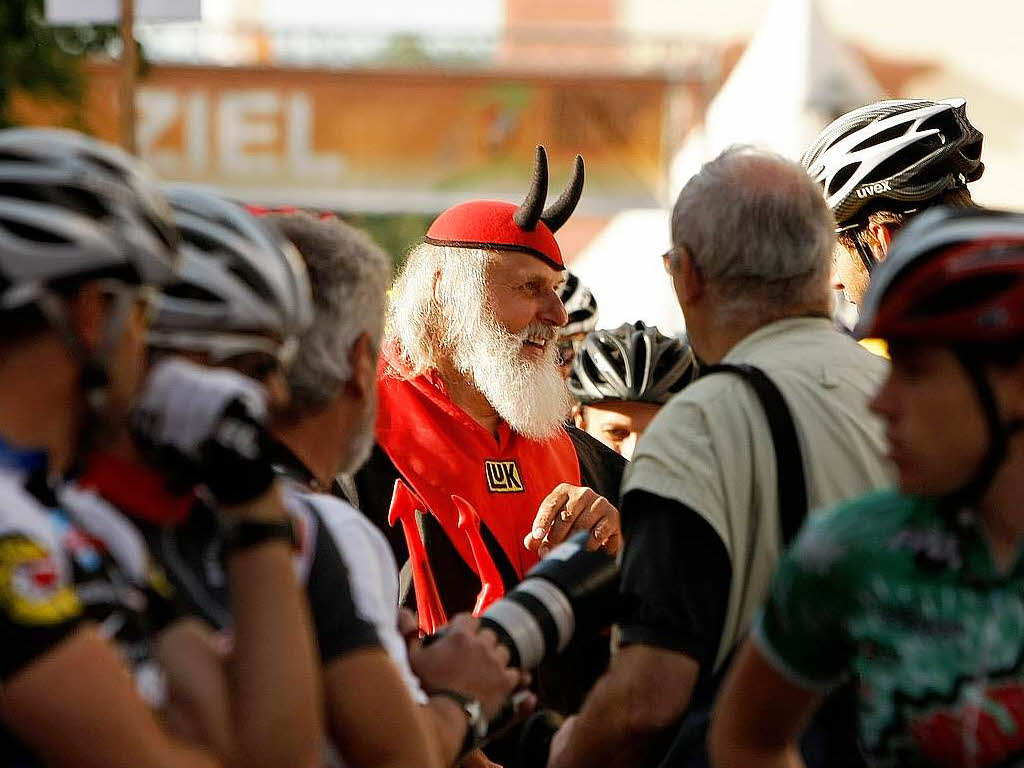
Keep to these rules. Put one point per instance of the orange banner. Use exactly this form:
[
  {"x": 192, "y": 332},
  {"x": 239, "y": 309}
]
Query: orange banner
[{"x": 398, "y": 140}]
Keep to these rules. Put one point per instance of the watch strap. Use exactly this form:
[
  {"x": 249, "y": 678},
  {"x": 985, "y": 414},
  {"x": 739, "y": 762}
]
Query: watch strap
[
  {"x": 244, "y": 534},
  {"x": 477, "y": 729}
]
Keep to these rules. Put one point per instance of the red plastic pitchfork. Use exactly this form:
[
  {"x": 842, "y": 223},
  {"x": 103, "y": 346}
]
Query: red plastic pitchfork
[
  {"x": 428, "y": 600},
  {"x": 492, "y": 587}
]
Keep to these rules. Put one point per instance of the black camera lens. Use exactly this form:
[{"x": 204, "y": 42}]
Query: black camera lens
[{"x": 569, "y": 589}]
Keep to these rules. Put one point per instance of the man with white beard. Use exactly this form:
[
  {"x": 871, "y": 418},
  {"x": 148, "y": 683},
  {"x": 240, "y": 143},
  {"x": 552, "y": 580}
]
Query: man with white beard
[{"x": 472, "y": 405}]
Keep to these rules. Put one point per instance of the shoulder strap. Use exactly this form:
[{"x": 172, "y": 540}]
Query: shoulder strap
[{"x": 792, "y": 486}]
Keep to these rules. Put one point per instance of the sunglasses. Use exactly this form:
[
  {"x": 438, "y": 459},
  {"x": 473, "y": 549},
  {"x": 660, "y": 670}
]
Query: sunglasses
[
  {"x": 566, "y": 352},
  {"x": 145, "y": 297},
  {"x": 258, "y": 366}
]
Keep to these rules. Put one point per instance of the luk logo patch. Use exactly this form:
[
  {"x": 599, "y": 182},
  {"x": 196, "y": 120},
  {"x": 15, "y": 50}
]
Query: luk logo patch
[{"x": 503, "y": 477}]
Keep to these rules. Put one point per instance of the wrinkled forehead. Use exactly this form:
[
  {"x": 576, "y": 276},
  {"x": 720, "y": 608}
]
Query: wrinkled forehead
[{"x": 511, "y": 267}]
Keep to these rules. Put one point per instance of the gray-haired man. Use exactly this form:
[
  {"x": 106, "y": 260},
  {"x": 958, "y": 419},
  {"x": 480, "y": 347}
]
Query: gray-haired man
[
  {"x": 752, "y": 246},
  {"x": 328, "y": 429}
]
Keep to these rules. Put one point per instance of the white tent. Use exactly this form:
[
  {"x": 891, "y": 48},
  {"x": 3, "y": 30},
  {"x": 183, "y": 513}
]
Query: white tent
[
  {"x": 622, "y": 267},
  {"x": 791, "y": 80}
]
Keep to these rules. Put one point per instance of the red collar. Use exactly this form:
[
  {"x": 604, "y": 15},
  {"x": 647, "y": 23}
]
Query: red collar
[
  {"x": 431, "y": 385},
  {"x": 135, "y": 489}
]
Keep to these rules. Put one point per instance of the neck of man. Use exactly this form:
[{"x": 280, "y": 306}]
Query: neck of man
[
  {"x": 41, "y": 412},
  {"x": 713, "y": 333},
  {"x": 305, "y": 437},
  {"x": 1000, "y": 509},
  {"x": 464, "y": 394}
]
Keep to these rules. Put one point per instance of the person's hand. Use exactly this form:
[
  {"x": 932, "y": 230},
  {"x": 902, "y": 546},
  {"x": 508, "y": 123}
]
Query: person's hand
[
  {"x": 206, "y": 424},
  {"x": 464, "y": 658},
  {"x": 570, "y": 508},
  {"x": 408, "y": 625},
  {"x": 198, "y": 707},
  {"x": 477, "y": 759}
]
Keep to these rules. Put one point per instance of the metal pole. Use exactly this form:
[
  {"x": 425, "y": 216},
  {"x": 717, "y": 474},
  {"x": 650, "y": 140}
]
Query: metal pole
[{"x": 129, "y": 68}]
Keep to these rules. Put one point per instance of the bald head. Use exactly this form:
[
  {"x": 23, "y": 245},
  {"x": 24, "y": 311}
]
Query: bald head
[{"x": 758, "y": 229}]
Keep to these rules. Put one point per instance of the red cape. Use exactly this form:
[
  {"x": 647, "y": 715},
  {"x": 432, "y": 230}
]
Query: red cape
[{"x": 441, "y": 451}]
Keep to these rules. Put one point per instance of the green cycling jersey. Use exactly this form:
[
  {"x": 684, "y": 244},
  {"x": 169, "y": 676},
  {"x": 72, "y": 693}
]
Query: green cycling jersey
[{"x": 906, "y": 599}]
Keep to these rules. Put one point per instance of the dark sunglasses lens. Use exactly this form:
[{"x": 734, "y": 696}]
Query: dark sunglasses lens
[{"x": 566, "y": 353}]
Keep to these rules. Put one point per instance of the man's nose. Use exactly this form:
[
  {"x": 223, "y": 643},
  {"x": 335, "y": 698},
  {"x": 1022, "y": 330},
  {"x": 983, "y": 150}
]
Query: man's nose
[{"x": 553, "y": 311}]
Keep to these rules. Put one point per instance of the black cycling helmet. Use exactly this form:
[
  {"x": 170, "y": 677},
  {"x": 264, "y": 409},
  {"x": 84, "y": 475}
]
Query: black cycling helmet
[
  {"x": 72, "y": 207},
  {"x": 580, "y": 306},
  {"x": 632, "y": 363},
  {"x": 894, "y": 155},
  {"x": 241, "y": 282}
]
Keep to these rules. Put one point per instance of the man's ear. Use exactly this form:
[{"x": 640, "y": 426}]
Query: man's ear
[
  {"x": 87, "y": 315},
  {"x": 688, "y": 277},
  {"x": 578, "y": 418},
  {"x": 363, "y": 360},
  {"x": 835, "y": 278},
  {"x": 881, "y": 237}
]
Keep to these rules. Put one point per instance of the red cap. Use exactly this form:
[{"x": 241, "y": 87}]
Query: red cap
[
  {"x": 527, "y": 228},
  {"x": 488, "y": 224}
]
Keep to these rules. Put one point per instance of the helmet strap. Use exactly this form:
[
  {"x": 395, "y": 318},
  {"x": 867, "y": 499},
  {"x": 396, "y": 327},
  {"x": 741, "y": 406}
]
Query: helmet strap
[
  {"x": 95, "y": 379},
  {"x": 864, "y": 251},
  {"x": 999, "y": 433}
]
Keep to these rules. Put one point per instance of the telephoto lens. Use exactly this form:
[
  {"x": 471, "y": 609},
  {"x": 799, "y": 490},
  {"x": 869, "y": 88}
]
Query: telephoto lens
[{"x": 569, "y": 590}]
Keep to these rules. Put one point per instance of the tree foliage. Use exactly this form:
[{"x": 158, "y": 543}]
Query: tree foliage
[{"x": 41, "y": 60}]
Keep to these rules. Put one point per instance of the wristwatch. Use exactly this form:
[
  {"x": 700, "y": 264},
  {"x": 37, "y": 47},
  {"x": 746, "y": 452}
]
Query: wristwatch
[
  {"x": 478, "y": 724},
  {"x": 243, "y": 534}
]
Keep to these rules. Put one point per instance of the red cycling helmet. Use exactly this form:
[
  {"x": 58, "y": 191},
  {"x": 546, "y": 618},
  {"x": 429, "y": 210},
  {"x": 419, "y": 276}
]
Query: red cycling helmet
[
  {"x": 955, "y": 278},
  {"x": 952, "y": 276}
]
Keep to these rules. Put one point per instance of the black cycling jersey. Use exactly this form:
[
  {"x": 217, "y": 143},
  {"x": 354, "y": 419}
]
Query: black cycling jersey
[
  {"x": 192, "y": 555},
  {"x": 65, "y": 557}
]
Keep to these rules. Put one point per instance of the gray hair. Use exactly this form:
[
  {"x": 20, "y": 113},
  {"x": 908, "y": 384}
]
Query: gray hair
[
  {"x": 759, "y": 231},
  {"x": 349, "y": 276},
  {"x": 430, "y": 301}
]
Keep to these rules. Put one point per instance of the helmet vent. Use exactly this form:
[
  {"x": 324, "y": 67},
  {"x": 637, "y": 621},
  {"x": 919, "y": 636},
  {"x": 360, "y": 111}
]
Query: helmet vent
[
  {"x": 882, "y": 136},
  {"x": 251, "y": 278},
  {"x": 192, "y": 292},
  {"x": 898, "y": 162},
  {"x": 664, "y": 366},
  {"x": 34, "y": 234},
  {"x": 11, "y": 157},
  {"x": 944, "y": 122},
  {"x": 78, "y": 200},
  {"x": 841, "y": 177}
]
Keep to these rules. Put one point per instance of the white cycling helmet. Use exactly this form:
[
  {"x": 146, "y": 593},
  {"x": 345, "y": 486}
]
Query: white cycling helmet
[
  {"x": 74, "y": 208},
  {"x": 243, "y": 286},
  {"x": 895, "y": 155},
  {"x": 580, "y": 305}
]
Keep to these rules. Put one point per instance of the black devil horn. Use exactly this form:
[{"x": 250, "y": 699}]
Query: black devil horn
[
  {"x": 528, "y": 214},
  {"x": 556, "y": 214}
]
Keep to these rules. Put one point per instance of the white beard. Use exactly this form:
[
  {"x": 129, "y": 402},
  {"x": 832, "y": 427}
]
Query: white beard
[{"x": 530, "y": 395}]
